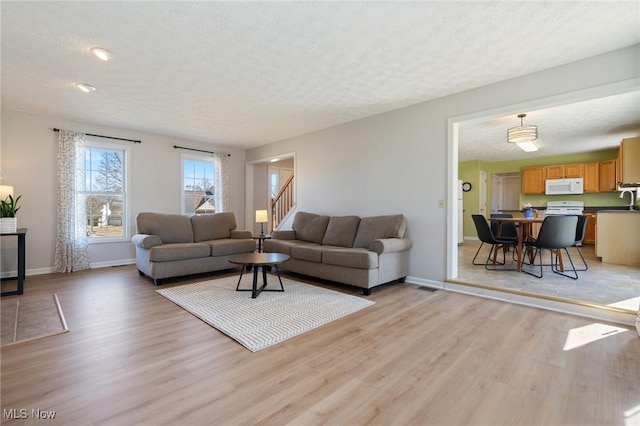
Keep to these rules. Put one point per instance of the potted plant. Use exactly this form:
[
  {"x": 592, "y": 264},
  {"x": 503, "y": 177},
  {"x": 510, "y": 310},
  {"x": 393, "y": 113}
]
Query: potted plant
[
  {"x": 8, "y": 209},
  {"x": 527, "y": 210}
]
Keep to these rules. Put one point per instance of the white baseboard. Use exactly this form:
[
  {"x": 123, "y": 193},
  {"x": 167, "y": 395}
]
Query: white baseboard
[{"x": 51, "y": 270}]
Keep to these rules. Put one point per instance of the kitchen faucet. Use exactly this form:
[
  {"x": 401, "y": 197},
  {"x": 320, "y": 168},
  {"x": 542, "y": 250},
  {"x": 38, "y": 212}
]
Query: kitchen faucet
[{"x": 630, "y": 191}]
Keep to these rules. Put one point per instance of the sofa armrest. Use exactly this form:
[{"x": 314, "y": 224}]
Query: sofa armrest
[
  {"x": 288, "y": 234},
  {"x": 390, "y": 245},
  {"x": 146, "y": 241},
  {"x": 240, "y": 234}
]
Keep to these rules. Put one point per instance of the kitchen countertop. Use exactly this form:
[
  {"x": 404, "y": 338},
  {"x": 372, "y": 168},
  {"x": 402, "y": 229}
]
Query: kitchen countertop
[
  {"x": 618, "y": 211},
  {"x": 603, "y": 209}
]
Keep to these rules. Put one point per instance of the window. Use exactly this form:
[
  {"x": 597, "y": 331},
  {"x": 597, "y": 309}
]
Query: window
[
  {"x": 104, "y": 192},
  {"x": 198, "y": 189}
]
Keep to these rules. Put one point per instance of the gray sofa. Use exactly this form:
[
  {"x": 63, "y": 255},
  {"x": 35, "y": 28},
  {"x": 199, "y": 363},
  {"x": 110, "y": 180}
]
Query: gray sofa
[
  {"x": 363, "y": 252},
  {"x": 172, "y": 245}
]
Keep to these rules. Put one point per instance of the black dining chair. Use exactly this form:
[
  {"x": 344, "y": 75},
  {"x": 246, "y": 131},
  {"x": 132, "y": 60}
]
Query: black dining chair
[
  {"x": 487, "y": 236},
  {"x": 508, "y": 230},
  {"x": 581, "y": 230},
  {"x": 556, "y": 233}
]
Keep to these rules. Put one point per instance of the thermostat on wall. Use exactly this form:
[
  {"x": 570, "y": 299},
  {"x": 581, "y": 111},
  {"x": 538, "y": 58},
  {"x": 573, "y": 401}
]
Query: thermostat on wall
[{"x": 466, "y": 186}]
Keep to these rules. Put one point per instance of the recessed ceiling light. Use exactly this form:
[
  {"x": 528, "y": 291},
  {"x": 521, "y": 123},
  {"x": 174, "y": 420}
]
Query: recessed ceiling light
[
  {"x": 85, "y": 87},
  {"x": 101, "y": 53}
]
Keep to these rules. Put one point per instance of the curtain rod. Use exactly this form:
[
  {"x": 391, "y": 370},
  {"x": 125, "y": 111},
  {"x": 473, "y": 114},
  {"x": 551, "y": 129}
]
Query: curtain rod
[
  {"x": 107, "y": 137},
  {"x": 200, "y": 150}
]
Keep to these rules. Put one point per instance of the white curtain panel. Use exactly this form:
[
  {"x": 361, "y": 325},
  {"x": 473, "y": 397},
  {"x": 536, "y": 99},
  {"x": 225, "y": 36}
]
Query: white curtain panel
[
  {"x": 221, "y": 184},
  {"x": 71, "y": 241}
]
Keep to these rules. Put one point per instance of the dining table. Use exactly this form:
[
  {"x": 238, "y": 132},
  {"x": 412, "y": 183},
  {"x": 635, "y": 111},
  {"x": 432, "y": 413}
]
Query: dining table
[{"x": 525, "y": 231}]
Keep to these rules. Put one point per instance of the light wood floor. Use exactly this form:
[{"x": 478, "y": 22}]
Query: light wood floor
[{"x": 414, "y": 358}]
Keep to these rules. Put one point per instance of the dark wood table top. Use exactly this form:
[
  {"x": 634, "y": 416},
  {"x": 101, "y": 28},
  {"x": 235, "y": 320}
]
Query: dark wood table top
[
  {"x": 19, "y": 231},
  {"x": 259, "y": 258}
]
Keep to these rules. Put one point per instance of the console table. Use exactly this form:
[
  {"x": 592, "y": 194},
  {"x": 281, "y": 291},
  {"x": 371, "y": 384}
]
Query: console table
[{"x": 21, "y": 233}]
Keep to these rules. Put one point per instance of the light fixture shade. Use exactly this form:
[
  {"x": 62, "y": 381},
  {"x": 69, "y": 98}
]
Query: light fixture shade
[
  {"x": 261, "y": 216},
  {"x": 522, "y": 134},
  {"x": 527, "y": 146},
  {"x": 5, "y": 191}
]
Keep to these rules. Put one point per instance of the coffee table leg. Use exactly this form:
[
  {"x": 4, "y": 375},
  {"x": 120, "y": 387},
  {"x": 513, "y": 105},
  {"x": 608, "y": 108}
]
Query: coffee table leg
[
  {"x": 255, "y": 292},
  {"x": 279, "y": 279},
  {"x": 240, "y": 279}
]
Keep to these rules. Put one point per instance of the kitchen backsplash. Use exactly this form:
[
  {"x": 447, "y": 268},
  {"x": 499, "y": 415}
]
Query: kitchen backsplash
[{"x": 609, "y": 199}]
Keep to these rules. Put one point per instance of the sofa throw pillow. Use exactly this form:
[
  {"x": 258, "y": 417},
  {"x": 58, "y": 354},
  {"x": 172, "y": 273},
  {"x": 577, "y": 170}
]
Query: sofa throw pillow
[
  {"x": 208, "y": 227},
  {"x": 372, "y": 228},
  {"x": 310, "y": 227},
  {"x": 341, "y": 231}
]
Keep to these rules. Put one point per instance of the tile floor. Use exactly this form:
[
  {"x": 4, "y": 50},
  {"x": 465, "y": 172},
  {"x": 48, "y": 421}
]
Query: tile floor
[{"x": 602, "y": 283}]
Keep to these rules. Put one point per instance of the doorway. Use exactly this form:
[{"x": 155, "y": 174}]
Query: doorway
[
  {"x": 503, "y": 200},
  {"x": 263, "y": 179},
  {"x": 505, "y": 192}
]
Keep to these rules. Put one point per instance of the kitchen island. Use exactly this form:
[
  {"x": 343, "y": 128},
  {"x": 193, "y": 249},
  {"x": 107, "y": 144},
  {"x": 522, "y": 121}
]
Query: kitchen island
[{"x": 618, "y": 236}]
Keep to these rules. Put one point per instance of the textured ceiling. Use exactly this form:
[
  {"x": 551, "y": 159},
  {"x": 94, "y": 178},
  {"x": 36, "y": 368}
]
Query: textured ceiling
[
  {"x": 250, "y": 73},
  {"x": 587, "y": 126}
]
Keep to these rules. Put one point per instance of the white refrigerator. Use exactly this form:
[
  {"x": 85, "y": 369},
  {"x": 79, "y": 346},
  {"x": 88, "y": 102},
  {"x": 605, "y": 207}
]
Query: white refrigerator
[{"x": 460, "y": 215}]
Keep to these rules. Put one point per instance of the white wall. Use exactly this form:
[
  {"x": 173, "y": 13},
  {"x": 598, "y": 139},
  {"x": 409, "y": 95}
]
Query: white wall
[
  {"x": 397, "y": 162},
  {"x": 401, "y": 162},
  {"x": 28, "y": 153}
]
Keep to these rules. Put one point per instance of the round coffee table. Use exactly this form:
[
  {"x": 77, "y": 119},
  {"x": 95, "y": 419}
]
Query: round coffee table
[{"x": 262, "y": 260}]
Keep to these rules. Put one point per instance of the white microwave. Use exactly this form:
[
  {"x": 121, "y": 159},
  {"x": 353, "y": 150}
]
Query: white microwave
[{"x": 564, "y": 186}]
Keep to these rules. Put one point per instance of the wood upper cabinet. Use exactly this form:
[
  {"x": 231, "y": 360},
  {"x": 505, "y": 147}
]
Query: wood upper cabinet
[
  {"x": 608, "y": 176},
  {"x": 561, "y": 171},
  {"x": 533, "y": 180},
  {"x": 591, "y": 177},
  {"x": 573, "y": 170},
  {"x": 555, "y": 172},
  {"x": 629, "y": 161}
]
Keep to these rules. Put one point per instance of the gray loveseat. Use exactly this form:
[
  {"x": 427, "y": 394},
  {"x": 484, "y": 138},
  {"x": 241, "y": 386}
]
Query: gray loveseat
[
  {"x": 171, "y": 245},
  {"x": 363, "y": 252}
]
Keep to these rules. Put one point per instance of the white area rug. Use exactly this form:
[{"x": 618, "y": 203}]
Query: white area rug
[{"x": 270, "y": 318}]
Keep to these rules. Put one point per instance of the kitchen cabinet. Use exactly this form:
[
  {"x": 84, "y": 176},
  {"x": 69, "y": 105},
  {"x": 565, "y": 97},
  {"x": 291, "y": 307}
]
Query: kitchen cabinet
[
  {"x": 554, "y": 172},
  {"x": 608, "y": 176},
  {"x": 573, "y": 170},
  {"x": 590, "y": 232},
  {"x": 591, "y": 177},
  {"x": 562, "y": 171},
  {"x": 533, "y": 180},
  {"x": 629, "y": 161}
]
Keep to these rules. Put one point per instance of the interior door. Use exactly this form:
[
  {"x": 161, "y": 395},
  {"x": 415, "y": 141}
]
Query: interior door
[
  {"x": 511, "y": 193},
  {"x": 277, "y": 177}
]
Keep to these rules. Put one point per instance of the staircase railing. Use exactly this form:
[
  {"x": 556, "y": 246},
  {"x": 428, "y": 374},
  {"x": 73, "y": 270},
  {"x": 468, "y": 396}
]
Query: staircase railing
[{"x": 282, "y": 203}]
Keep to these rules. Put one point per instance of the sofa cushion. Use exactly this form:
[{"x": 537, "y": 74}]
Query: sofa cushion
[
  {"x": 310, "y": 227},
  {"x": 283, "y": 246},
  {"x": 309, "y": 252},
  {"x": 213, "y": 226},
  {"x": 178, "y": 251},
  {"x": 351, "y": 258},
  {"x": 341, "y": 231},
  {"x": 375, "y": 227},
  {"x": 225, "y": 247},
  {"x": 170, "y": 228}
]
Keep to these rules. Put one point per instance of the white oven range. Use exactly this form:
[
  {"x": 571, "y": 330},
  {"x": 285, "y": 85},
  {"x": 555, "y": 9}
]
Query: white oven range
[{"x": 564, "y": 208}]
